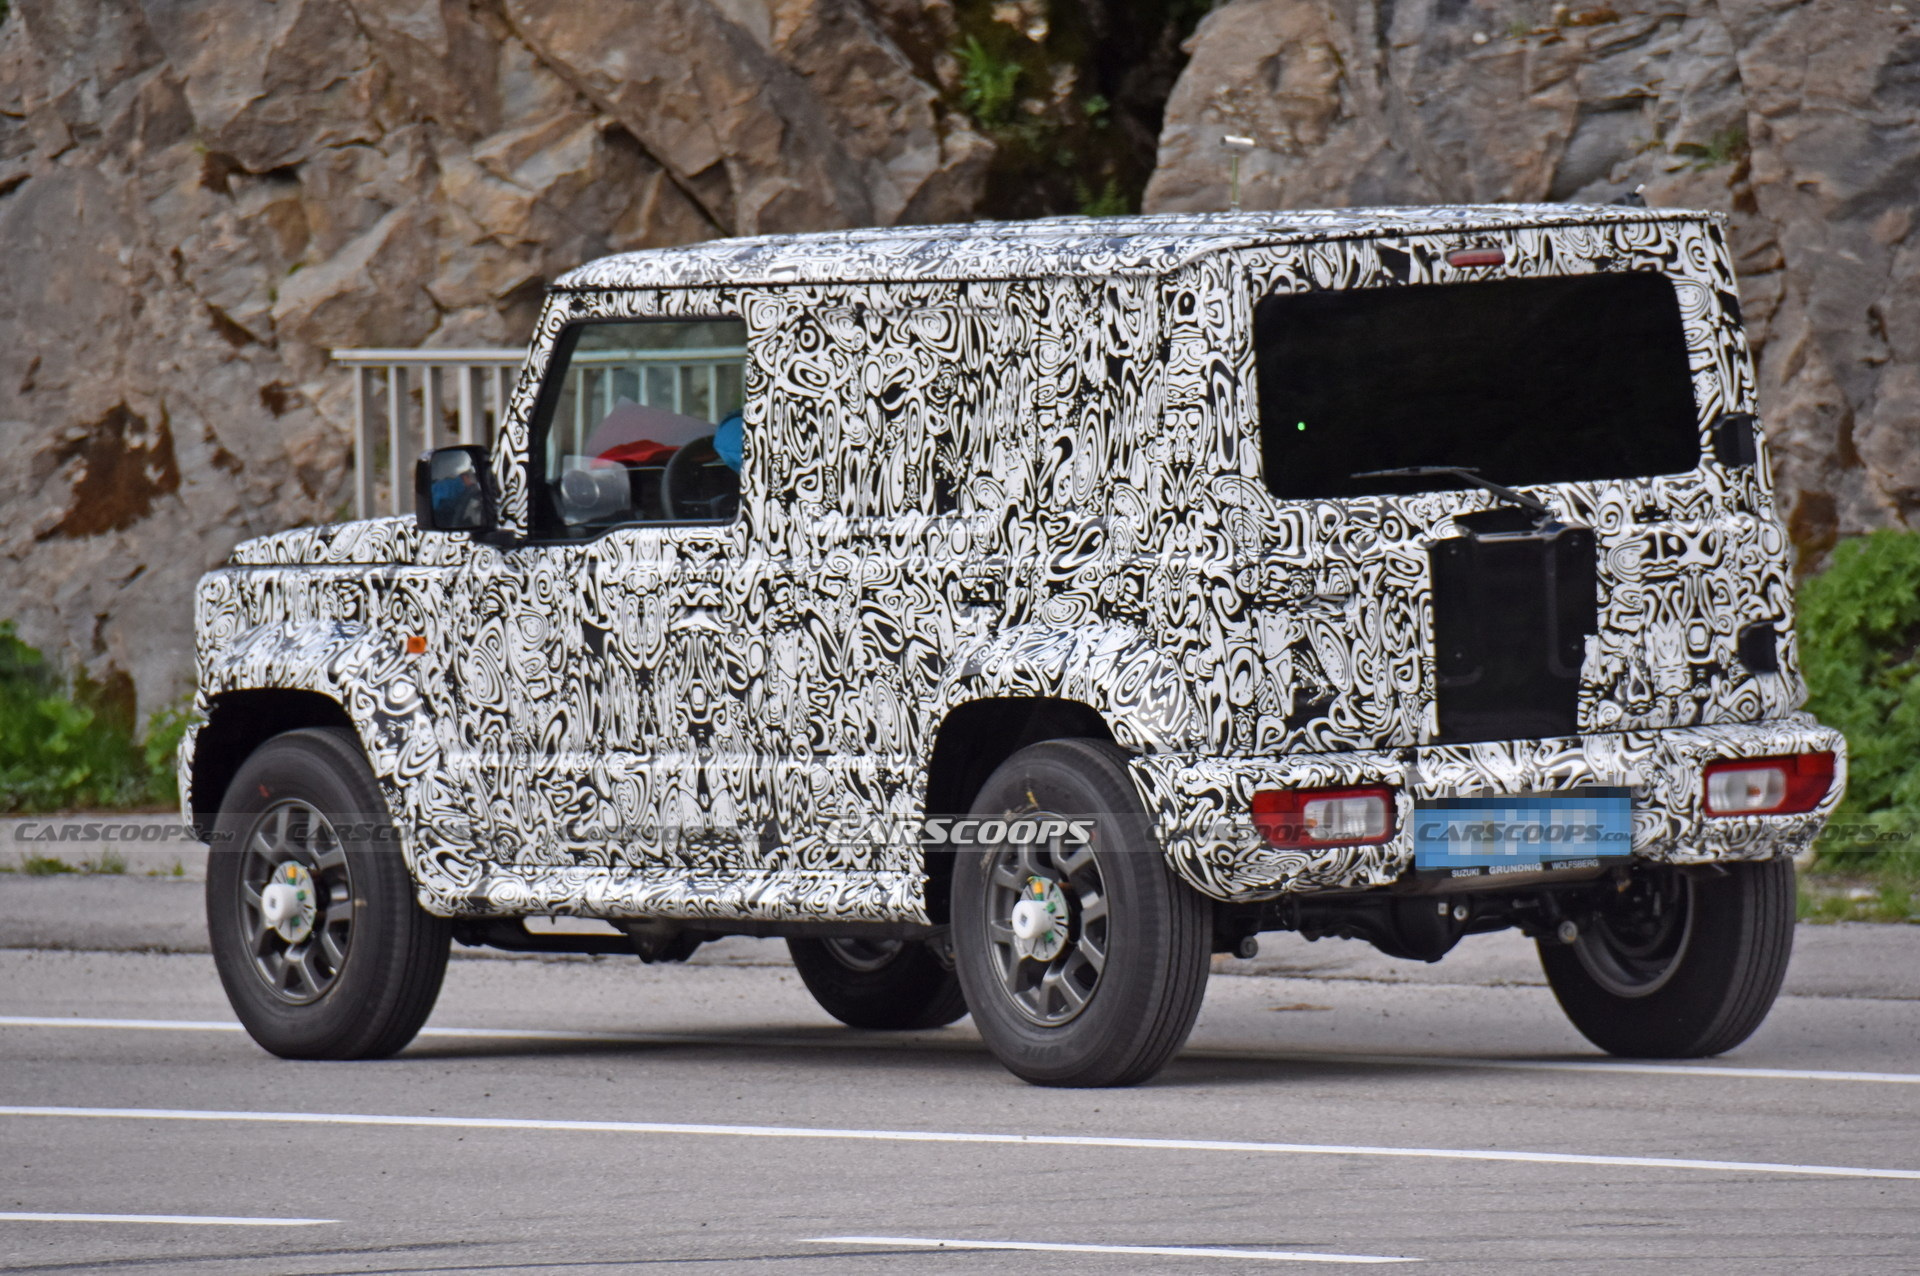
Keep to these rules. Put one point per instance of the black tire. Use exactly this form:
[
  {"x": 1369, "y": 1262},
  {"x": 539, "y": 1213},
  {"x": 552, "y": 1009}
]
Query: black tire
[
  {"x": 1038, "y": 1009},
  {"x": 359, "y": 974},
  {"x": 880, "y": 984},
  {"x": 1694, "y": 978}
]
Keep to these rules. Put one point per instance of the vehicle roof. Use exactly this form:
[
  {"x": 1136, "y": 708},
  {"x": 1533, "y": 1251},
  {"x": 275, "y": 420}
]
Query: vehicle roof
[{"x": 1082, "y": 246}]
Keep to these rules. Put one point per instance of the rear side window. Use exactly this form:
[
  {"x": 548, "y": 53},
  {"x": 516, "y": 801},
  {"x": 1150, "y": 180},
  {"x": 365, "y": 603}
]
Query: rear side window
[{"x": 1528, "y": 381}]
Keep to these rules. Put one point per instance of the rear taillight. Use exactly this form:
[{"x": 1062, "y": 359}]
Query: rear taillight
[
  {"x": 1323, "y": 817},
  {"x": 1769, "y": 786}
]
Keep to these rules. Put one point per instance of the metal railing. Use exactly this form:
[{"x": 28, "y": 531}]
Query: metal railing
[
  {"x": 688, "y": 382},
  {"x": 406, "y": 401},
  {"x": 402, "y": 407}
]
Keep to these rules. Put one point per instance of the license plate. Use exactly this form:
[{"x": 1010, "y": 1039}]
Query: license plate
[{"x": 1522, "y": 832}]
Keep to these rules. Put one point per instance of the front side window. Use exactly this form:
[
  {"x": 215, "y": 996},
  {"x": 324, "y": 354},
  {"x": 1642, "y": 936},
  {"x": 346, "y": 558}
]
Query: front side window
[
  {"x": 642, "y": 425},
  {"x": 1529, "y": 381}
]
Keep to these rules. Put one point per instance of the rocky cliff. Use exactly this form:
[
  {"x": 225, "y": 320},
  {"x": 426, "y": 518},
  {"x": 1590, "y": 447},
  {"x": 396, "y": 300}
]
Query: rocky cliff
[
  {"x": 1798, "y": 118},
  {"x": 200, "y": 198}
]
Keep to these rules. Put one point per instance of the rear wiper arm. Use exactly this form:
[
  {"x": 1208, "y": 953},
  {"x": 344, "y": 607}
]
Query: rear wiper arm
[{"x": 1465, "y": 475}]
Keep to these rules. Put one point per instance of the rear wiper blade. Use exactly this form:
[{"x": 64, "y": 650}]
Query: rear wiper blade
[{"x": 1465, "y": 475}]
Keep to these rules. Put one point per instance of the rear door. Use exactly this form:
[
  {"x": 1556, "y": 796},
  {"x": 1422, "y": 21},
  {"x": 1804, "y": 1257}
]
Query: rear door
[{"x": 1592, "y": 368}]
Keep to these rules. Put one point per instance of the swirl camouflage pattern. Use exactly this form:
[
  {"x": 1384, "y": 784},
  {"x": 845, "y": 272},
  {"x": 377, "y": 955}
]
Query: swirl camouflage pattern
[{"x": 996, "y": 461}]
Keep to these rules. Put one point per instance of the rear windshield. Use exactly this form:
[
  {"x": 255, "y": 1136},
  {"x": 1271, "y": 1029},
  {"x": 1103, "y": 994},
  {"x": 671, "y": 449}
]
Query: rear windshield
[{"x": 1526, "y": 380}]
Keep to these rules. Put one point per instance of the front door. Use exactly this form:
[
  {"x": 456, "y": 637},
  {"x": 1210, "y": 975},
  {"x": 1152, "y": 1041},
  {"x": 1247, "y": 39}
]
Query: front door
[{"x": 626, "y": 742}]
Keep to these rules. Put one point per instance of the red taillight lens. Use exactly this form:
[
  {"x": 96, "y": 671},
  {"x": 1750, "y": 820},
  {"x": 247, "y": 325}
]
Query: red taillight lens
[
  {"x": 1477, "y": 257},
  {"x": 1324, "y": 817},
  {"x": 1768, "y": 786}
]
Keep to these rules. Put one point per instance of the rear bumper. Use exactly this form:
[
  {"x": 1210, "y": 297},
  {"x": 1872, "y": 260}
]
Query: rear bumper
[{"x": 1201, "y": 803}]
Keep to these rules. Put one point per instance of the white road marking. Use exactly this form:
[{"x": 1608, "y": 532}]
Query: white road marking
[
  {"x": 951, "y": 1136},
  {"x": 184, "y": 1220},
  {"x": 180, "y": 1025},
  {"x": 1576, "y": 1065},
  {"x": 838, "y": 1042},
  {"x": 1049, "y": 1247}
]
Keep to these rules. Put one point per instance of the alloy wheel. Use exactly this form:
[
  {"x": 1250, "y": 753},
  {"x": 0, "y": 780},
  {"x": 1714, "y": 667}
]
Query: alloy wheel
[
  {"x": 296, "y": 901},
  {"x": 1047, "y": 927}
]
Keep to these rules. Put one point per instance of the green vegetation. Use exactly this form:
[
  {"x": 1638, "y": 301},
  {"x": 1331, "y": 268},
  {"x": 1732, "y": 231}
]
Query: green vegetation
[
  {"x": 110, "y": 862},
  {"x": 1825, "y": 897},
  {"x": 1070, "y": 95},
  {"x": 987, "y": 85},
  {"x": 1728, "y": 146},
  {"x": 71, "y": 743},
  {"x": 1859, "y": 631},
  {"x": 1108, "y": 201}
]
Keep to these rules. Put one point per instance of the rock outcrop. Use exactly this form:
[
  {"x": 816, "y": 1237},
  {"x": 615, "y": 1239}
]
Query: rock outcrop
[
  {"x": 1798, "y": 118},
  {"x": 200, "y": 198}
]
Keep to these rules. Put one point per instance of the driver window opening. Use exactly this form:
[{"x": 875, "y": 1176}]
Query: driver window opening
[{"x": 646, "y": 424}]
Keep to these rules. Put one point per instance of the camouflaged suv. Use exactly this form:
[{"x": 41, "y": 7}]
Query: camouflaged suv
[{"x": 1013, "y": 616}]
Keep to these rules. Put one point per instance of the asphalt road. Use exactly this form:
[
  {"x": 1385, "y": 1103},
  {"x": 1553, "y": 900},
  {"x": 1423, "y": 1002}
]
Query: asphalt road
[{"x": 597, "y": 1115}]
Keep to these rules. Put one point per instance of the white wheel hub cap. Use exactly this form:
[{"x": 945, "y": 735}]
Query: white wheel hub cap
[
  {"x": 1039, "y": 920},
  {"x": 288, "y": 902}
]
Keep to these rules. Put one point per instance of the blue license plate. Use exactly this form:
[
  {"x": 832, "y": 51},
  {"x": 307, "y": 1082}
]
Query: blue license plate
[{"x": 1522, "y": 832}]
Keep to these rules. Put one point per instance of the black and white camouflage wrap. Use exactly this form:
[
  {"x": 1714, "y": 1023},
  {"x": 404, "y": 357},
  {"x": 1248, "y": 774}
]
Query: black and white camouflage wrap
[{"x": 1006, "y": 460}]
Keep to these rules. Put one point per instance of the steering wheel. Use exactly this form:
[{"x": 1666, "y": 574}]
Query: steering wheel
[{"x": 685, "y": 490}]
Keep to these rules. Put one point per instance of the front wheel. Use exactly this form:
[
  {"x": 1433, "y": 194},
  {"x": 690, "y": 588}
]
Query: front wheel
[
  {"x": 1084, "y": 959},
  {"x": 879, "y": 983},
  {"x": 1684, "y": 964},
  {"x": 319, "y": 941}
]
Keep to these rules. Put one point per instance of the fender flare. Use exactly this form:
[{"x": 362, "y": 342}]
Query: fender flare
[
  {"x": 364, "y": 670},
  {"x": 1115, "y": 670}
]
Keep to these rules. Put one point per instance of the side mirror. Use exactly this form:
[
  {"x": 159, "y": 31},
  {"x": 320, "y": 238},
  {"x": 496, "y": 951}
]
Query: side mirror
[{"x": 453, "y": 490}]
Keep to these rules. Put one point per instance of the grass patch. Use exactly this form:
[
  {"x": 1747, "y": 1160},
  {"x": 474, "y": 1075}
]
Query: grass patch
[
  {"x": 109, "y": 863},
  {"x": 1882, "y": 897},
  {"x": 72, "y": 743}
]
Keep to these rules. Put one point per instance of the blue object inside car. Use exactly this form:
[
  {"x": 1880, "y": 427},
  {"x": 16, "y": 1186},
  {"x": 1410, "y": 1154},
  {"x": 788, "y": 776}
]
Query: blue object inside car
[{"x": 730, "y": 439}]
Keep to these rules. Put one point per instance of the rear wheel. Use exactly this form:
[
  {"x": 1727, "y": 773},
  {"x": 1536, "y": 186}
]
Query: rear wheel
[
  {"x": 1684, "y": 964},
  {"x": 320, "y": 944},
  {"x": 879, "y": 983},
  {"x": 1084, "y": 959}
]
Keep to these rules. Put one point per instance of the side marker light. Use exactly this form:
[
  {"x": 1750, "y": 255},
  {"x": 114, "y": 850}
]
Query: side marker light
[{"x": 1477, "y": 257}]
